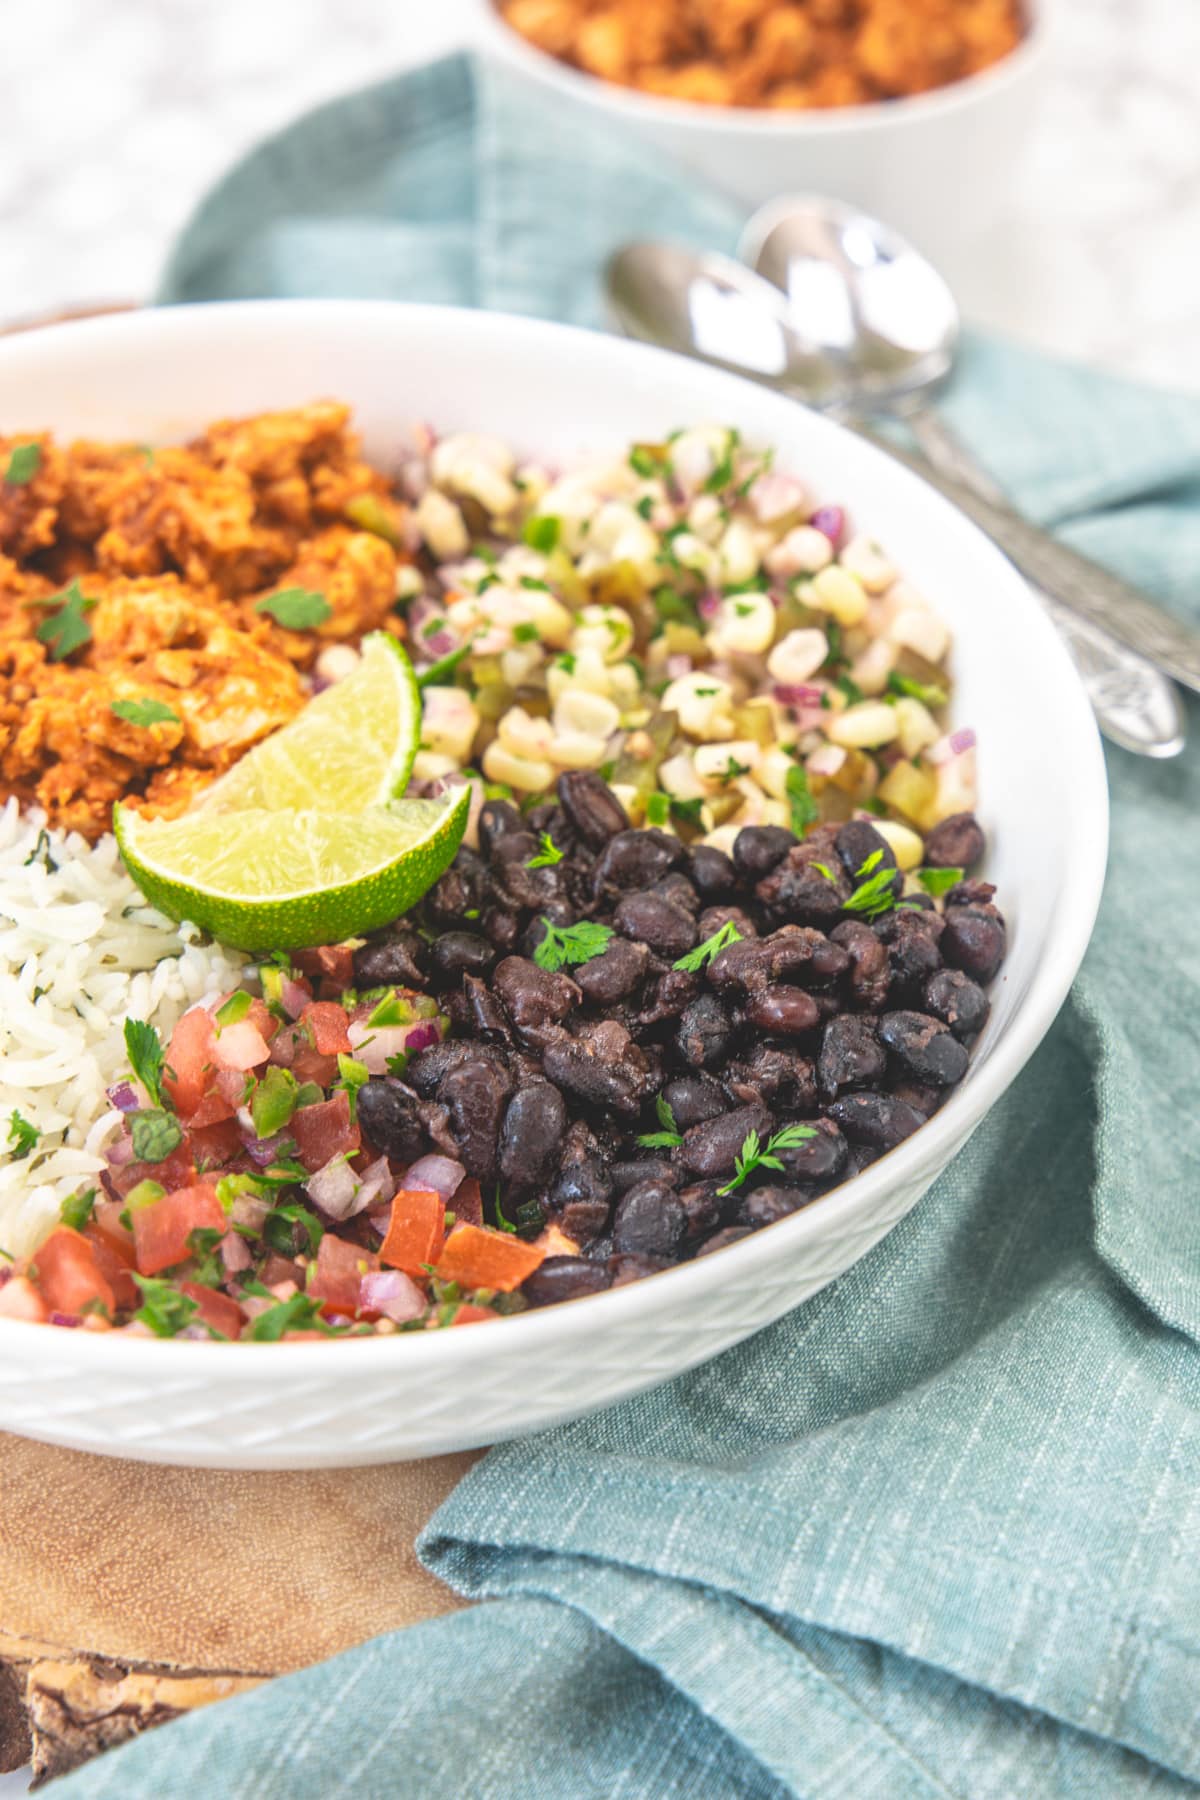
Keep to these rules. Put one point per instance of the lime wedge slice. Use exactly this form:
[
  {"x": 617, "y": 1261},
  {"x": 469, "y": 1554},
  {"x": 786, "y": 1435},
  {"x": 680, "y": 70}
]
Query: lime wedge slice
[
  {"x": 282, "y": 880},
  {"x": 352, "y": 747}
]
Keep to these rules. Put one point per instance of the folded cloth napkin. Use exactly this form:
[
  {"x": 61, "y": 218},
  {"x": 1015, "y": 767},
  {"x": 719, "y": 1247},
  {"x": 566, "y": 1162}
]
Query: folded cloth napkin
[{"x": 934, "y": 1533}]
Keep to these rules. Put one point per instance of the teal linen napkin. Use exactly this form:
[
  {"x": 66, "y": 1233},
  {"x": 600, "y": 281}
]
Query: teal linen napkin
[{"x": 935, "y": 1533}]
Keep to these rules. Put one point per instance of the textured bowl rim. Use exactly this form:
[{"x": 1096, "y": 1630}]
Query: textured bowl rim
[
  {"x": 1082, "y": 771},
  {"x": 765, "y": 122}
]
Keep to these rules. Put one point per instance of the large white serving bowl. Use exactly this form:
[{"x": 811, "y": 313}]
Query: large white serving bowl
[
  {"x": 557, "y": 392},
  {"x": 937, "y": 166}
]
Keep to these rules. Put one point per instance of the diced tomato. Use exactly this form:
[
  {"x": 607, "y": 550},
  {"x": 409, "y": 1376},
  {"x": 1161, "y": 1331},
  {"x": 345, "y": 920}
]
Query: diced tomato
[
  {"x": 309, "y": 1065},
  {"x": 19, "y": 1299},
  {"x": 68, "y": 1273},
  {"x": 415, "y": 1231},
  {"x": 467, "y": 1204},
  {"x": 215, "y": 1146},
  {"x": 327, "y": 1022},
  {"x": 476, "y": 1257},
  {"x": 324, "y": 1131},
  {"x": 241, "y": 1046},
  {"x": 338, "y": 1277},
  {"x": 161, "y": 1231},
  {"x": 178, "y": 1170},
  {"x": 333, "y": 962},
  {"x": 217, "y": 1310},
  {"x": 190, "y": 1060},
  {"x": 467, "y": 1314},
  {"x": 114, "y": 1263},
  {"x": 105, "y": 1222}
]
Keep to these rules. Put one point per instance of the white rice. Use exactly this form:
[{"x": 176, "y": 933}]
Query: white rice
[{"x": 80, "y": 952}]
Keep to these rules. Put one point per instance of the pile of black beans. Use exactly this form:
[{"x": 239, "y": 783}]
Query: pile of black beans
[{"x": 854, "y": 1026}]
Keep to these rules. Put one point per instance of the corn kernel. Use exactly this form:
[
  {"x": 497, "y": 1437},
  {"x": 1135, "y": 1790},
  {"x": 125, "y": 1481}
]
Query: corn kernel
[
  {"x": 917, "y": 726},
  {"x": 718, "y": 764},
  {"x": 905, "y": 845},
  {"x": 836, "y": 591},
  {"x": 531, "y": 774},
  {"x": 442, "y": 526},
  {"x": 744, "y": 625},
  {"x": 863, "y": 558},
  {"x": 449, "y": 721},
  {"x": 738, "y": 550},
  {"x": 918, "y": 628},
  {"x": 524, "y": 735},
  {"x": 579, "y": 711},
  {"x": 797, "y": 656},
  {"x": 677, "y": 776},
  {"x": 803, "y": 551},
  {"x": 702, "y": 703},
  {"x": 863, "y": 726},
  {"x": 578, "y": 750}
]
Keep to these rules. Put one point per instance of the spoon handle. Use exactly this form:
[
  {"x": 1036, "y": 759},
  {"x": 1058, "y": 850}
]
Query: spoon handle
[
  {"x": 1135, "y": 704},
  {"x": 1084, "y": 586}
]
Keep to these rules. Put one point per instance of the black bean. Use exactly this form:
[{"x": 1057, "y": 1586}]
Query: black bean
[
  {"x": 782, "y": 1011},
  {"x": 957, "y": 843},
  {"x": 970, "y": 892},
  {"x": 648, "y": 1221},
  {"x": 757, "y": 849},
  {"x": 713, "y": 873},
  {"x": 502, "y": 926},
  {"x": 924, "y": 1046},
  {"x": 877, "y": 1120},
  {"x": 625, "y": 1269},
  {"x": 920, "y": 1095},
  {"x": 591, "y": 806},
  {"x": 646, "y": 1168},
  {"x": 634, "y": 860},
  {"x": 614, "y": 975},
  {"x": 531, "y": 1136},
  {"x": 584, "y": 1220},
  {"x": 458, "y": 953},
  {"x": 782, "y": 1079},
  {"x": 714, "y": 917},
  {"x": 486, "y": 1016},
  {"x": 533, "y": 995},
  {"x": 390, "y": 1118},
  {"x": 974, "y": 940},
  {"x": 703, "y": 1207},
  {"x": 427, "y": 1070},
  {"x": 851, "y": 1054},
  {"x": 676, "y": 888},
  {"x": 710, "y": 1149},
  {"x": 586, "y": 1182},
  {"x": 800, "y": 892},
  {"x": 564, "y": 1278},
  {"x": 912, "y": 946},
  {"x": 400, "y": 960},
  {"x": 958, "y": 1001},
  {"x": 496, "y": 819},
  {"x": 460, "y": 891},
  {"x": 817, "y": 1160},
  {"x": 721, "y": 1240},
  {"x": 767, "y": 1204},
  {"x": 705, "y": 1029},
  {"x": 475, "y": 1095},
  {"x": 599, "y": 1250},
  {"x": 648, "y": 919},
  {"x": 674, "y": 991},
  {"x": 693, "y": 1099},
  {"x": 586, "y": 1074},
  {"x": 856, "y": 843},
  {"x": 870, "y": 968}
]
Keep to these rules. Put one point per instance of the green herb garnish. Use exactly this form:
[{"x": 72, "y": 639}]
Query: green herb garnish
[
  {"x": 542, "y": 533},
  {"x": 22, "y": 1136},
  {"x": 77, "y": 1209},
  {"x": 939, "y": 881},
  {"x": 850, "y": 688},
  {"x": 23, "y": 464},
  {"x": 924, "y": 691},
  {"x": 202, "y": 1244},
  {"x": 389, "y": 1011},
  {"x": 526, "y": 632},
  {"x": 155, "y": 1133},
  {"x": 687, "y": 811},
  {"x": 299, "y": 1313},
  {"x": 752, "y": 1156},
  {"x": 875, "y": 894},
  {"x": 548, "y": 853},
  {"x": 669, "y": 1136},
  {"x": 571, "y": 944},
  {"x": 164, "y": 1309},
  {"x": 445, "y": 665},
  {"x": 645, "y": 462},
  {"x": 144, "y": 712},
  {"x": 231, "y": 1011},
  {"x": 722, "y": 475},
  {"x": 354, "y": 1074},
  {"x": 295, "y": 608},
  {"x": 658, "y": 808},
  {"x": 144, "y": 1048},
  {"x": 703, "y": 954},
  {"x": 279, "y": 1234},
  {"x": 66, "y": 630}
]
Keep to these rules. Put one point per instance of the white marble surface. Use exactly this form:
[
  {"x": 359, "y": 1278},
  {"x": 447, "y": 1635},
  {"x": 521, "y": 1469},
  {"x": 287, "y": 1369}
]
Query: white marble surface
[{"x": 116, "y": 117}]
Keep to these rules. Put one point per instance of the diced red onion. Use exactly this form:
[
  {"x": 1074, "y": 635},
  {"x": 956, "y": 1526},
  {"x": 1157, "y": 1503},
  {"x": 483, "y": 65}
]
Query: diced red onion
[
  {"x": 376, "y": 1186},
  {"x": 241, "y": 1046},
  {"x": 194, "y": 1334},
  {"x": 963, "y": 739},
  {"x": 249, "y": 1210},
  {"x": 832, "y": 521},
  {"x": 826, "y": 760},
  {"x": 773, "y": 495},
  {"x": 422, "y": 1035},
  {"x": 119, "y": 1153},
  {"x": 235, "y": 1252},
  {"x": 708, "y": 605},
  {"x": 678, "y": 664},
  {"x": 68, "y": 1319},
  {"x": 390, "y": 1292},
  {"x": 373, "y": 1048},
  {"x": 263, "y": 1151},
  {"x": 293, "y": 996},
  {"x": 797, "y": 693},
  {"x": 123, "y": 1097},
  {"x": 436, "y": 1175},
  {"x": 940, "y": 752},
  {"x": 809, "y": 718},
  {"x": 334, "y": 1188}
]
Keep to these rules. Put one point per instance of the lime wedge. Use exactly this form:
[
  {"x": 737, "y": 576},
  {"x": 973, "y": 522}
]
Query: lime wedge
[
  {"x": 281, "y": 880},
  {"x": 352, "y": 747}
]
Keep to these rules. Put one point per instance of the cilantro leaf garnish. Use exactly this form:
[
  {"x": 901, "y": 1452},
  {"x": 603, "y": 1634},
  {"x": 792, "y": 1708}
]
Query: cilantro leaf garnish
[
  {"x": 144, "y": 712},
  {"x": 669, "y": 1136},
  {"x": 571, "y": 944},
  {"x": 732, "y": 770},
  {"x": 202, "y": 1244},
  {"x": 155, "y": 1134},
  {"x": 805, "y": 811},
  {"x": 66, "y": 630},
  {"x": 299, "y": 1313},
  {"x": 703, "y": 954},
  {"x": 164, "y": 1309},
  {"x": 850, "y": 688},
  {"x": 542, "y": 532},
  {"x": 753, "y": 1156},
  {"x": 646, "y": 461},
  {"x": 939, "y": 881},
  {"x": 22, "y": 1136},
  {"x": 353, "y": 1075},
  {"x": 876, "y": 892},
  {"x": 548, "y": 853},
  {"x": 146, "y": 1056},
  {"x": 23, "y": 464},
  {"x": 687, "y": 811},
  {"x": 925, "y": 691},
  {"x": 445, "y": 665},
  {"x": 527, "y": 632},
  {"x": 295, "y": 608},
  {"x": 278, "y": 1232},
  {"x": 722, "y": 474}
]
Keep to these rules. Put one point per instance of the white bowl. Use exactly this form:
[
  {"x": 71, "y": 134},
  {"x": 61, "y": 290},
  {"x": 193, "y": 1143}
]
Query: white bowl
[
  {"x": 161, "y": 375},
  {"x": 938, "y": 166}
]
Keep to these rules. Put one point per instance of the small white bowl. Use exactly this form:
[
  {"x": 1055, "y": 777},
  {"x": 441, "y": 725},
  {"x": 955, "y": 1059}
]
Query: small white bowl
[
  {"x": 558, "y": 393},
  {"x": 937, "y": 166}
]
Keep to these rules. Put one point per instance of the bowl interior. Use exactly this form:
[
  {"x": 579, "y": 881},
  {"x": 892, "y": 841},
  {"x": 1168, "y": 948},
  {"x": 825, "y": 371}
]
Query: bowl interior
[{"x": 560, "y": 394}]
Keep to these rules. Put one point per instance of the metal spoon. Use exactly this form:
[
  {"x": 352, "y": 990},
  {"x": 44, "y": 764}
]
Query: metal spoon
[{"x": 717, "y": 310}]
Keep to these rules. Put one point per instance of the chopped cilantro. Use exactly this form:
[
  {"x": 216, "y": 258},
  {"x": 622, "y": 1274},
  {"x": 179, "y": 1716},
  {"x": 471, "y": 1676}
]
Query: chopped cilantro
[
  {"x": 670, "y": 1134},
  {"x": 645, "y": 462},
  {"x": 23, "y": 464},
  {"x": 644, "y": 507},
  {"x": 753, "y": 1156},
  {"x": 850, "y": 688},
  {"x": 299, "y": 1313},
  {"x": 687, "y": 811},
  {"x": 703, "y": 954},
  {"x": 875, "y": 894},
  {"x": 66, "y": 630},
  {"x": 805, "y": 811},
  {"x": 445, "y": 665},
  {"x": 144, "y": 712},
  {"x": 273, "y": 1101},
  {"x": 532, "y": 582},
  {"x": 542, "y": 532},
  {"x": 155, "y": 1134},
  {"x": 924, "y": 691},
  {"x": 732, "y": 770},
  {"x": 77, "y": 1209},
  {"x": 525, "y": 633},
  {"x": 571, "y": 943},
  {"x": 353, "y": 1075},
  {"x": 164, "y": 1309},
  {"x": 295, "y": 608},
  {"x": 144, "y": 1048},
  {"x": 548, "y": 853},
  {"x": 279, "y": 1232},
  {"x": 939, "y": 881},
  {"x": 22, "y": 1136},
  {"x": 566, "y": 662}
]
